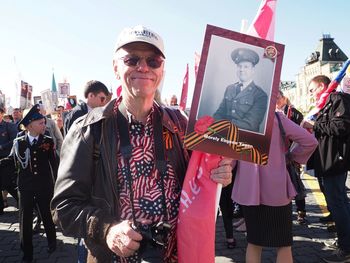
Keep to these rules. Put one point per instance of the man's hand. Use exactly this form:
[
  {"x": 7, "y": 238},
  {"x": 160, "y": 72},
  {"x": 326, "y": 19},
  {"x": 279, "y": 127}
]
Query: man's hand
[
  {"x": 122, "y": 239},
  {"x": 223, "y": 174}
]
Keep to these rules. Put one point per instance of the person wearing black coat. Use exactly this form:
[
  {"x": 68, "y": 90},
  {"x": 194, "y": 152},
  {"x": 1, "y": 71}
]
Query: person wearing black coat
[
  {"x": 8, "y": 133},
  {"x": 331, "y": 159},
  {"x": 96, "y": 94},
  {"x": 35, "y": 156}
]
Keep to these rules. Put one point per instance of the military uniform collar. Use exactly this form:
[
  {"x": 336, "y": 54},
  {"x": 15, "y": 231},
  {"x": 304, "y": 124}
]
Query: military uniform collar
[
  {"x": 31, "y": 138},
  {"x": 246, "y": 84}
]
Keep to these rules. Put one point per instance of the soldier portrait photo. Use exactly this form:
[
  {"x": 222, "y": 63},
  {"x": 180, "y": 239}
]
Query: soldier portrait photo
[{"x": 237, "y": 84}]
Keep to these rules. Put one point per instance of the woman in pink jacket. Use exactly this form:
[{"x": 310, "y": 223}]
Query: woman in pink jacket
[{"x": 265, "y": 192}]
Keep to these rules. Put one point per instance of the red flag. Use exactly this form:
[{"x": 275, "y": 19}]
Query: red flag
[
  {"x": 184, "y": 91},
  {"x": 119, "y": 91},
  {"x": 197, "y": 58},
  {"x": 196, "y": 221},
  {"x": 264, "y": 21}
]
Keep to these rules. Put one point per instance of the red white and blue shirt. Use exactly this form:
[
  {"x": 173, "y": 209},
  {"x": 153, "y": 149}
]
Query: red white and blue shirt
[{"x": 147, "y": 191}]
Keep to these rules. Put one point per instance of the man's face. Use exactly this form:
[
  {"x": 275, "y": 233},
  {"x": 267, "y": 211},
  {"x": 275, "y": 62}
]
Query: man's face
[
  {"x": 16, "y": 115},
  {"x": 316, "y": 89},
  {"x": 60, "y": 109},
  {"x": 142, "y": 78},
  {"x": 37, "y": 127},
  {"x": 98, "y": 100},
  {"x": 1, "y": 116},
  {"x": 245, "y": 71}
]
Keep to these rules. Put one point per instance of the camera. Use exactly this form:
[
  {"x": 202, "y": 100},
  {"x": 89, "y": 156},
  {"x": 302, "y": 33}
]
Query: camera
[{"x": 154, "y": 237}]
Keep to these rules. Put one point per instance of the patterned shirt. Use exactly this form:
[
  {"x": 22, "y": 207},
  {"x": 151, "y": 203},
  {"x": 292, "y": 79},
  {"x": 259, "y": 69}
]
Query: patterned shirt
[{"x": 147, "y": 191}]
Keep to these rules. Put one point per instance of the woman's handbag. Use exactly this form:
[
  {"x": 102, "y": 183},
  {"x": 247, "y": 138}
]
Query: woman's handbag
[{"x": 292, "y": 167}]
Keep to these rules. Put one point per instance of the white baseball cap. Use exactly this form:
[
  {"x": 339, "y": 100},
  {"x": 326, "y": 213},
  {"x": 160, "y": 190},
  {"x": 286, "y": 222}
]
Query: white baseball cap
[{"x": 140, "y": 33}]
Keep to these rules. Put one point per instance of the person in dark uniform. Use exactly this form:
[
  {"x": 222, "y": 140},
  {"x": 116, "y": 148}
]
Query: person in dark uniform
[
  {"x": 8, "y": 132},
  {"x": 35, "y": 157},
  {"x": 244, "y": 103}
]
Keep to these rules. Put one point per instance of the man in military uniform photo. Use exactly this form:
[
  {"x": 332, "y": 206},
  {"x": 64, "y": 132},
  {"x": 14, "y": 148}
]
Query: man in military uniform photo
[
  {"x": 244, "y": 103},
  {"x": 35, "y": 157}
]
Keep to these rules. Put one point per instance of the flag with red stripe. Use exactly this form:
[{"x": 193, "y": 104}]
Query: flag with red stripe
[
  {"x": 263, "y": 25},
  {"x": 183, "y": 100}
]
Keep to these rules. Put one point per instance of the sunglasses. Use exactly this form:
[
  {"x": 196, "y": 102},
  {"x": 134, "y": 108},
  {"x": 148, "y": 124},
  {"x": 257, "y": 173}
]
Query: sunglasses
[
  {"x": 133, "y": 61},
  {"x": 102, "y": 98}
]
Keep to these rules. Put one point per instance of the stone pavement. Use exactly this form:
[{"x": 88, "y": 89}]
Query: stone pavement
[{"x": 307, "y": 247}]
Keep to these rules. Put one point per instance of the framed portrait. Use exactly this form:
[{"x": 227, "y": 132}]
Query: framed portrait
[
  {"x": 37, "y": 99},
  {"x": 63, "y": 90},
  {"x": 235, "y": 93},
  {"x": 47, "y": 101},
  {"x": 72, "y": 101}
]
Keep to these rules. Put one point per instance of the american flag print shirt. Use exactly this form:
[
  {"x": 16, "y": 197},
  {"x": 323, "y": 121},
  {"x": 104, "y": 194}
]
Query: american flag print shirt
[{"x": 147, "y": 191}]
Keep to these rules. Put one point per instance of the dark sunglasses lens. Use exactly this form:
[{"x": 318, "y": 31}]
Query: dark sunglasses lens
[
  {"x": 131, "y": 61},
  {"x": 154, "y": 62}
]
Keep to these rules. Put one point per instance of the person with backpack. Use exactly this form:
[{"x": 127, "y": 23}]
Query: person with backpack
[{"x": 331, "y": 159}]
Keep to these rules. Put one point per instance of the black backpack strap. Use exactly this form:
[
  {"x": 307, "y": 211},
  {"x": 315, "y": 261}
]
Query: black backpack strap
[
  {"x": 97, "y": 135},
  {"x": 283, "y": 132}
]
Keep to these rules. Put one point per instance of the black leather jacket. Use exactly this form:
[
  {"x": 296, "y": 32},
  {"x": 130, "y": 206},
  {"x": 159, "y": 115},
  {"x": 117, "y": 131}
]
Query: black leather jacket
[
  {"x": 75, "y": 113},
  {"x": 332, "y": 130},
  {"x": 85, "y": 202}
]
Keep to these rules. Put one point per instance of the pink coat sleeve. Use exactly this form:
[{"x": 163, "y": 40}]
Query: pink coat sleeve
[{"x": 304, "y": 143}]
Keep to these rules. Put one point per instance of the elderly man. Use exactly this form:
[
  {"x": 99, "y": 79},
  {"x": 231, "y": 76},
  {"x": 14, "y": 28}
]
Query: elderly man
[
  {"x": 117, "y": 179},
  {"x": 244, "y": 103}
]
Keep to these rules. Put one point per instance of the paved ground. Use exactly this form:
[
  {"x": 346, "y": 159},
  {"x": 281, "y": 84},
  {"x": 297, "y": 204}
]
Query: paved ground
[{"x": 307, "y": 248}]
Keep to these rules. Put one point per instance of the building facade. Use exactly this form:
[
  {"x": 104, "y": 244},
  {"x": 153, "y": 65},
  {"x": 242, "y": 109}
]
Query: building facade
[{"x": 327, "y": 59}]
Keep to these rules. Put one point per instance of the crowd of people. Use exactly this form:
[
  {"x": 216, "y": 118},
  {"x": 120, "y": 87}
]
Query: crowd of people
[{"x": 102, "y": 173}]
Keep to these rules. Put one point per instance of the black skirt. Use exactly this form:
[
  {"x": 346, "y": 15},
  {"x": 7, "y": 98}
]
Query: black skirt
[{"x": 269, "y": 226}]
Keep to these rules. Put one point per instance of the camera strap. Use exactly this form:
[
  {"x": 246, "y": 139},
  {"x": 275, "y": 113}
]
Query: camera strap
[{"x": 126, "y": 152}]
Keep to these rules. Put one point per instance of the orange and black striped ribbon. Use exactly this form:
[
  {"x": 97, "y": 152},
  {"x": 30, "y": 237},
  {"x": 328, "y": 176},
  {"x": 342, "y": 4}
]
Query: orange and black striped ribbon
[
  {"x": 168, "y": 139},
  {"x": 193, "y": 139}
]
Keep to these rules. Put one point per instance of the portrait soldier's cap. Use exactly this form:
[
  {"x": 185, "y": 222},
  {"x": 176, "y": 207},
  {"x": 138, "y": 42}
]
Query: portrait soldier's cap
[
  {"x": 32, "y": 115},
  {"x": 140, "y": 33},
  {"x": 245, "y": 54}
]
